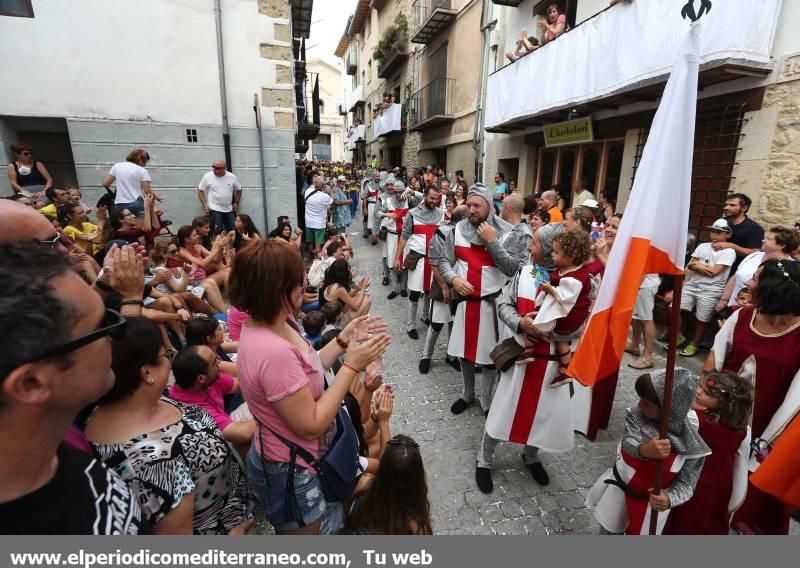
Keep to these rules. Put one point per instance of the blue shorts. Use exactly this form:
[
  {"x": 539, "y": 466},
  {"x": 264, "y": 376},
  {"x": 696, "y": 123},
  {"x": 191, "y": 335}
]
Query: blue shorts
[
  {"x": 135, "y": 207},
  {"x": 271, "y": 494}
]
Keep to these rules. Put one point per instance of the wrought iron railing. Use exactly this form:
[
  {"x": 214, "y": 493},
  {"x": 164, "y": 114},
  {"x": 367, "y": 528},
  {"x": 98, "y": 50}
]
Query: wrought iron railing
[{"x": 433, "y": 100}]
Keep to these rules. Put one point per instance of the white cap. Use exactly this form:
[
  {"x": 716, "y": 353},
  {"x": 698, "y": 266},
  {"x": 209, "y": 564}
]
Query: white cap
[
  {"x": 341, "y": 178},
  {"x": 720, "y": 225},
  {"x": 591, "y": 204}
]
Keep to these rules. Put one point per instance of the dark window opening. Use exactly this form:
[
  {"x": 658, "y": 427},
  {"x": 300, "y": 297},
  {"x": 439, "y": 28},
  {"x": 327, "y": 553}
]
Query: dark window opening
[
  {"x": 18, "y": 8},
  {"x": 717, "y": 138},
  {"x": 191, "y": 135}
]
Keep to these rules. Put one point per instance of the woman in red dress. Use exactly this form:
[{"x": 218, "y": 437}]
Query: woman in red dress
[{"x": 762, "y": 343}]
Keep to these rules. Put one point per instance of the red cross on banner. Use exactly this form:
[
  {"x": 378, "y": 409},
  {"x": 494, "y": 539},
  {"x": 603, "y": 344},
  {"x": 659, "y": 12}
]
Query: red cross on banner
[
  {"x": 477, "y": 258},
  {"x": 427, "y": 231}
]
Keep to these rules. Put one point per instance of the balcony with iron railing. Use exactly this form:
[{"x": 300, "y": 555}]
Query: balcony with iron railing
[
  {"x": 397, "y": 57},
  {"x": 355, "y": 98},
  {"x": 431, "y": 17},
  {"x": 432, "y": 105},
  {"x": 609, "y": 69},
  {"x": 351, "y": 63},
  {"x": 308, "y": 120}
]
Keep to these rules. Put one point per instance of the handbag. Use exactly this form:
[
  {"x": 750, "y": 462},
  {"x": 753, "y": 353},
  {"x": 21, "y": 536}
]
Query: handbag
[
  {"x": 337, "y": 469},
  {"x": 506, "y": 353},
  {"x": 382, "y": 233},
  {"x": 412, "y": 259}
]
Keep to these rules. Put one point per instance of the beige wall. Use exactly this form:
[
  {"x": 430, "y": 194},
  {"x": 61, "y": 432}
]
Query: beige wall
[
  {"x": 331, "y": 78},
  {"x": 463, "y": 56}
]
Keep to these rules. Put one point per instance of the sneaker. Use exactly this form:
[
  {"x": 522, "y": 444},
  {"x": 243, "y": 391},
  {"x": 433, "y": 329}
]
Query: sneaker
[
  {"x": 392, "y": 295},
  {"x": 681, "y": 342},
  {"x": 404, "y": 293},
  {"x": 459, "y": 406},
  {"x": 413, "y": 334},
  {"x": 538, "y": 473},
  {"x": 688, "y": 351},
  {"x": 454, "y": 363},
  {"x": 424, "y": 366},
  {"x": 483, "y": 477},
  {"x": 385, "y": 282},
  {"x": 641, "y": 363}
]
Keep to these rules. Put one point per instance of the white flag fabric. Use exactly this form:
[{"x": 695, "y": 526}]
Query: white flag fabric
[{"x": 652, "y": 234}]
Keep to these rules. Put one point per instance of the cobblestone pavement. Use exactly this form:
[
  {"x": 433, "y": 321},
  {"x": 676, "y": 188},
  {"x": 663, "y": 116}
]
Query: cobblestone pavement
[{"x": 449, "y": 443}]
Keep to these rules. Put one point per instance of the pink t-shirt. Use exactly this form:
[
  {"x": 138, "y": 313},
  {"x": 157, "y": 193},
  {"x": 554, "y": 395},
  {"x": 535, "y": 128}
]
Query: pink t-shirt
[
  {"x": 270, "y": 369},
  {"x": 236, "y": 320},
  {"x": 550, "y": 36},
  {"x": 211, "y": 400}
]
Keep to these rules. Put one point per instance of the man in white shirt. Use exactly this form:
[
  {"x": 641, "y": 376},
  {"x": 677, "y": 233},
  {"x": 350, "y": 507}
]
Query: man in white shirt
[
  {"x": 219, "y": 193},
  {"x": 316, "y": 213}
]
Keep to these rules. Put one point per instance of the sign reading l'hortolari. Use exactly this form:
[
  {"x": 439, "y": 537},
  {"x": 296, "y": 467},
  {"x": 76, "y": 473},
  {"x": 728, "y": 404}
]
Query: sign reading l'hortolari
[{"x": 573, "y": 132}]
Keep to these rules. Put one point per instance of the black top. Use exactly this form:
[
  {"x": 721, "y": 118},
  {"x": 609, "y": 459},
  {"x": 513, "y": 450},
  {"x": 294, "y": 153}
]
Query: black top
[
  {"x": 83, "y": 497},
  {"x": 33, "y": 178},
  {"x": 747, "y": 234}
]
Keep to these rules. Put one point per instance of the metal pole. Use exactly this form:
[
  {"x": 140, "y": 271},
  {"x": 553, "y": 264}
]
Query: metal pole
[
  {"x": 223, "y": 90},
  {"x": 487, "y": 25},
  {"x": 257, "y": 110},
  {"x": 677, "y": 290}
]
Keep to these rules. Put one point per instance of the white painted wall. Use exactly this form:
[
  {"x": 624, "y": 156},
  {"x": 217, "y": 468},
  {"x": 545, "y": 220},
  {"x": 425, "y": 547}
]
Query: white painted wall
[
  {"x": 787, "y": 40},
  {"x": 145, "y": 60}
]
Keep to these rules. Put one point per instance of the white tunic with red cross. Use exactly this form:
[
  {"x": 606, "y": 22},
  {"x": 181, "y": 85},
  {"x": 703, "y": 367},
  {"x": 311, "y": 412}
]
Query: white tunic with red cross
[
  {"x": 419, "y": 279},
  {"x": 372, "y": 201},
  {"x": 394, "y": 227},
  {"x": 525, "y": 408},
  {"x": 619, "y": 512},
  {"x": 474, "y": 336}
]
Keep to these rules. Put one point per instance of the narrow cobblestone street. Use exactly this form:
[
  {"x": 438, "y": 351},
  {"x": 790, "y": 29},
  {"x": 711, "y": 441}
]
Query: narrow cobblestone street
[{"x": 449, "y": 443}]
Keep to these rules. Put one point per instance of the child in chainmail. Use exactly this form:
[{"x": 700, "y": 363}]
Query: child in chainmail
[{"x": 623, "y": 498}]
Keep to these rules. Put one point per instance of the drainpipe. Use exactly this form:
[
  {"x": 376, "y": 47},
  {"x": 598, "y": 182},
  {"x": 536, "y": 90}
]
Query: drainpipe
[
  {"x": 223, "y": 91},
  {"x": 487, "y": 25},
  {"x": 257, "y": 110}
]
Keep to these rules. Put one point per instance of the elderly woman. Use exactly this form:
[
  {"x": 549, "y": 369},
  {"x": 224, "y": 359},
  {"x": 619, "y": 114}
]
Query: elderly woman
[
  {"x": 27, "y": 176},
  {"x": 761, "y": 342},
  {"x": 173, "y": 456},
  {"x": 779, "y": 242},
  {"x": 282, "y": 379}
]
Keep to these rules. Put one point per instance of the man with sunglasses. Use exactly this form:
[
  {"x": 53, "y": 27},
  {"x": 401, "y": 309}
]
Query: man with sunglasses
[
  {"x": 122, "y": 283},
  {"x": 55, "y": 360},
  {"x": 219, "y": 193}
]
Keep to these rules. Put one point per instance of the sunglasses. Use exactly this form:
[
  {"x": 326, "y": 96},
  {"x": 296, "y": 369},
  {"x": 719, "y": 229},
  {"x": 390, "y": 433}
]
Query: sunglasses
[
  {"x": 217, "y": 167},
  {"x": 27, "y": 153},
  {"x": 112, "y": 324}
]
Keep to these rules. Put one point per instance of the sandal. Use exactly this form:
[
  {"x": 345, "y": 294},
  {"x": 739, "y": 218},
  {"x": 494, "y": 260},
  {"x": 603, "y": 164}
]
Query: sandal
[
  {"x": 641, "y": 363},
  {"x": 688, "y": 351},
  {"x": 562, "y": 378},
  {"x": 632, "y": 349}
]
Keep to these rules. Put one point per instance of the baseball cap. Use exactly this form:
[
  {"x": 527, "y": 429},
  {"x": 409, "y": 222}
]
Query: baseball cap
[
  {"x": 720, "y": 225},
  {"x": 591, "y": 204}
]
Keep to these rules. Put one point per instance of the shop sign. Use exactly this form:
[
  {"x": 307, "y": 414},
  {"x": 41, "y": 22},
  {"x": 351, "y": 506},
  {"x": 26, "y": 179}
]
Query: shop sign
[{"x": 576, "y": 131}]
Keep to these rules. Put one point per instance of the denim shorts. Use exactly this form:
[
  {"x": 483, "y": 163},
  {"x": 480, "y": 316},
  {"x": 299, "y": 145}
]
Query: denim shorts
[
  {"x": 268, "y": 483},
  {"x": 135, "y": 207}
]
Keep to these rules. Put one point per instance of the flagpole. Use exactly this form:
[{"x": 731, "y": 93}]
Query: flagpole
[{"x": 672, "y": 349}]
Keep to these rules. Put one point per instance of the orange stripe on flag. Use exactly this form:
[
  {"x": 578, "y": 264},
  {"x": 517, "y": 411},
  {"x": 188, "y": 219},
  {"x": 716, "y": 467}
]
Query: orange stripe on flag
[
  {"x": 603, "y": 341},
  {"x": 779, "y": 475}
]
